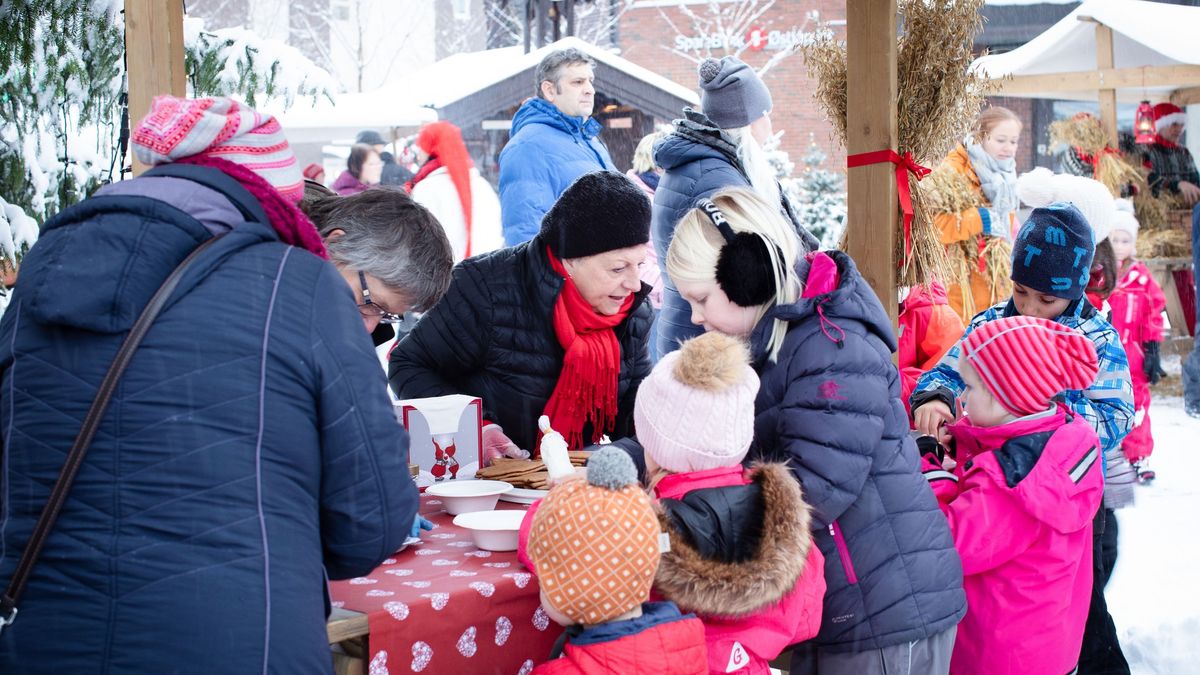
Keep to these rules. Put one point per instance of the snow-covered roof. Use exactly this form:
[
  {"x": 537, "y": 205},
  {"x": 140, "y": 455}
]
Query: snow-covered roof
[
  {"x": 1144, "y": 34},
  {"x": 461, "y": 75},
  {"x": 348, "y": 114}
]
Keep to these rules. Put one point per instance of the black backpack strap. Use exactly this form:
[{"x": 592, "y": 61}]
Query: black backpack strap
[
  {"x": 217, "y": 180},
  {"x": 62, "y": 487}
]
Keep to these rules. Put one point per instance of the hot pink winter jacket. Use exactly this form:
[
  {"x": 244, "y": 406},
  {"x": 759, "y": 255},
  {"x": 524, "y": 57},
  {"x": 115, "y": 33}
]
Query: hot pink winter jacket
[{"x": 1022, "y": 523}]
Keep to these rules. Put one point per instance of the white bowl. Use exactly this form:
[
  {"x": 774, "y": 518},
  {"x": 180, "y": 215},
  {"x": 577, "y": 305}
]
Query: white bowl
[
  {"x": 492, "y": 530},
  {"x": 463, "y": 496}
]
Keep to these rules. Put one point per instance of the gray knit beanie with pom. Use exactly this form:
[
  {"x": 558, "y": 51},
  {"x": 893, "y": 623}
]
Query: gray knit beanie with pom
[{"x": 732, "y": 95}]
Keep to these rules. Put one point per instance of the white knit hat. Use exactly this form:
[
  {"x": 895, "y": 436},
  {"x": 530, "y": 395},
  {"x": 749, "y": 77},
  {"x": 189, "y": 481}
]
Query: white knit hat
[
  {"x": 695, "y": 411},
  {"x": 1040, "y": 187},
  {"x": 1124, "y": 218}
]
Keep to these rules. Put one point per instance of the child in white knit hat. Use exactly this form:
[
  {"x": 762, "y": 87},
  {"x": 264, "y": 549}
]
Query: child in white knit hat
[
  {"x": 1137, "y": 305},
  {"x": 741, "y": 555}
]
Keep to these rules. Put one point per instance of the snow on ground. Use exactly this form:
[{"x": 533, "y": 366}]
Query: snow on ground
[{"x": 1154, "y": 594}]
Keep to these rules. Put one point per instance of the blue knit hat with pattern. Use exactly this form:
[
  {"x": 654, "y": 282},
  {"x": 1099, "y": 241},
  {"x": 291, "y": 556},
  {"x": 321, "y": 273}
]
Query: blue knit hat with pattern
[{"x": 1053, "y": 251}]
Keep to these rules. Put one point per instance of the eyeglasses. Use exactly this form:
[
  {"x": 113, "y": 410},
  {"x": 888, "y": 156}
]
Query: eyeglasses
[{"x": 369, "y": 308}]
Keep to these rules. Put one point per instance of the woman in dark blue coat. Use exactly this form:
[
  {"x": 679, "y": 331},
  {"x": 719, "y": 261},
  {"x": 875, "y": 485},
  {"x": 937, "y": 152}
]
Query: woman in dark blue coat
[
  {"x": 829, "y": 405},
  {"x": 249, "y": 453},
  {"x": 718, "y": 148}
]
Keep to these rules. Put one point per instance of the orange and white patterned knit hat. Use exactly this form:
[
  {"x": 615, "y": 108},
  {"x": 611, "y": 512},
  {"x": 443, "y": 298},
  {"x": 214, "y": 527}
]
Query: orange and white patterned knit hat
[{"x": 595, "y": 543}]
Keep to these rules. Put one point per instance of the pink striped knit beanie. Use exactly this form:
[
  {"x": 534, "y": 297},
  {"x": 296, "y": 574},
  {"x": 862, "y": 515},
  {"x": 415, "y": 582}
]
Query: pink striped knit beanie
[
  {"x": 1025, "y": 361},
  {"x": 177, "y": 128},
  {"x": 695, "y": 411}
]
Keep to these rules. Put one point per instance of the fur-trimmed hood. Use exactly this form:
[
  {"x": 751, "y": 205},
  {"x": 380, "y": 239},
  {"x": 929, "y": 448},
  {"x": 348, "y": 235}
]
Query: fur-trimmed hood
[{"x": 720, "y": 585}]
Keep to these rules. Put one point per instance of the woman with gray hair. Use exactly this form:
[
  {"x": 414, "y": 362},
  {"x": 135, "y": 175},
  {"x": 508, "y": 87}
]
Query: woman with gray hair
[
  {"x": 391, "y": 251},
  {"x": 719, "y": 147}
]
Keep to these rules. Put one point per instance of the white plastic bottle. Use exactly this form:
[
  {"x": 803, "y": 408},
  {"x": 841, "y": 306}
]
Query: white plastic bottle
[{"x": 554, "y": 451}]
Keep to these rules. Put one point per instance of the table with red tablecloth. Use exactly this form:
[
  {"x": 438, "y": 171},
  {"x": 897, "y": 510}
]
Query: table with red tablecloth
[{"x": 444, "y": 606}]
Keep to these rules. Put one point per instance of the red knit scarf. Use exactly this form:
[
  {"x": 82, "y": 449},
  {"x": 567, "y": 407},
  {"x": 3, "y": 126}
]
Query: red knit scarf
[
  {"x": 288, "y": 221},
  {"x": 432, "y": 164},
  {"x": 587, "y": 386}
]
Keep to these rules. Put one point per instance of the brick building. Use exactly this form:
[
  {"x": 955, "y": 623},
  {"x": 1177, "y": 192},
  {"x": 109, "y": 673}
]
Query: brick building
[{"x": 671, "y": 39}]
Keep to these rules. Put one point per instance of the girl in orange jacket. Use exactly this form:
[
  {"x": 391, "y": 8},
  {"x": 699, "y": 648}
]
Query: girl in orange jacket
[{"x": 981, "y": 171}]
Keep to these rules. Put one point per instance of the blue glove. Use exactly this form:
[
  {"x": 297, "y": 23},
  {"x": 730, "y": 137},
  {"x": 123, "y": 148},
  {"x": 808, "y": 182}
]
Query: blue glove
[{"x": 419, "y": 524}]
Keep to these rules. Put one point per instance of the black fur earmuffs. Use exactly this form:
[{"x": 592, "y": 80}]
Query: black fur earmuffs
[{"x": 744, "y": 267}]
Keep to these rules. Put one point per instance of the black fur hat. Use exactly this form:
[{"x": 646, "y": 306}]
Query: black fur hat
[{"x": 601, "y": 211}]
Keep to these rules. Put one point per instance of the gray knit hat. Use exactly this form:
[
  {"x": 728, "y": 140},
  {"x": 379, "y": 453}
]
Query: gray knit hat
[{"x": 732, "y": 95}]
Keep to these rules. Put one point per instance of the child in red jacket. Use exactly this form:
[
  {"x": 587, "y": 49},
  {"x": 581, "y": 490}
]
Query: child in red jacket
[
  {"x": 929, "y": 327},
  {"x": 1137, "y": 305},
  {"x": 742, "y": 555},
  {"x": 1022, "y": 498},
  {"x": 594, "y": 545}
]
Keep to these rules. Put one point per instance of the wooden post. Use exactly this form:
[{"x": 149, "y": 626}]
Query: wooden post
[
  {"x": 871, "y": 125},
  {"x": 154, "y": 54},
  {"x": 1108, "y": 97}
]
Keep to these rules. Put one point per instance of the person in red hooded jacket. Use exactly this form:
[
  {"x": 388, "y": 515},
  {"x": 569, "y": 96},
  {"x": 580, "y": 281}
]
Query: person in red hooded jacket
[
  {"x": 928, "y": 328},
  {"x": 1137, "y": 307}
]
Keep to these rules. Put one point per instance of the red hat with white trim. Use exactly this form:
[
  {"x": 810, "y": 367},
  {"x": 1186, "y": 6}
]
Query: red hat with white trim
[{"x": 1166, "y": 114}]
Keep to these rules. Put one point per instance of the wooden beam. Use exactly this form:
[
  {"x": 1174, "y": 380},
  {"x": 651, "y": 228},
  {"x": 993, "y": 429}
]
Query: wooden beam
[
  {"x": 1109, "y": 78},
  {"x": 1108, "y": 97},
  {"x": 870, "y": 126},
  {"x": 154, "y": 55},
  {"x": 1184, "y": 97}
]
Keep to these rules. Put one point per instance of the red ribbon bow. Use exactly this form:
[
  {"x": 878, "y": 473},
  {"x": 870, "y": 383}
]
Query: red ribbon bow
[{"x": 904, "y": 165}]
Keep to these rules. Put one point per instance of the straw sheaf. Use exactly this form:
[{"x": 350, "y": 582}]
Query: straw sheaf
[
  {"x": 1164, "y": 244},
  {"x": 938, "y": 98},
  {"x": 1085, "y": 133}
]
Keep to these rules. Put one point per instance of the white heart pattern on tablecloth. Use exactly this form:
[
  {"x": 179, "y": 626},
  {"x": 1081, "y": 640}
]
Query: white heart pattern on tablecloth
[
  {"x": 444, "y": 535},
  {"x": 437, "y": 600},
  {"x": 498, "y": 565},
  {"x": 503, "y": 630},
  {"x": 389, "y": 561},
  {"x": 466, "y": 643},
  {"x": 417, "y": 584},
  {"x": 541, "y": 620},
  {"x": 422, "y": 655},
  {"x": 483, "y": 588},
  {"x": 379, "y": 664},
  {"x": 462, "y": 573},
  {"x": 379, "y": 593},
  {"x": 399, "y": 572},
  {"x": 397, "y": 609},
  {"x": 460, "y": 544},
  {"x": 338, "y": 603},
  {"x": 434, "y": 502},
  {"x": 526, "y": 668},
  {"x": 361, "y": 581},
  {"x": 427, "y": 551},
  {"x": 479, "y": 554},
  {"x": 521, "y": 579},
  {"x": 442, "y": 562}
]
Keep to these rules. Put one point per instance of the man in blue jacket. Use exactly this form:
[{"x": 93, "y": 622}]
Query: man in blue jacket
[{"x": 554, "y": 141}]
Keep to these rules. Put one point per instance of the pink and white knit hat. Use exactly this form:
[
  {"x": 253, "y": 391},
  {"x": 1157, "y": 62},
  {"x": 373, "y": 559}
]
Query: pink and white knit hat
[
  {"x": 1025, "y": 361},
  {"x": 695, "y": 411},
  {"x": 177, "y": 128}
]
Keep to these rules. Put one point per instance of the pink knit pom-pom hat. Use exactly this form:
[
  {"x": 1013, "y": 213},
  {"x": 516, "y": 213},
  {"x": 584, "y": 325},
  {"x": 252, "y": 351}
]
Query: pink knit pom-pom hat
[{"x": 178, "y": 128}]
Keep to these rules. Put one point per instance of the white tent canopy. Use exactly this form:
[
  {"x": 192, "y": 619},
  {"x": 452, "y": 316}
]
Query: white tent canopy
[
  {"x": 347, "y": 115},
  {"x": 1155, "y": 55}
]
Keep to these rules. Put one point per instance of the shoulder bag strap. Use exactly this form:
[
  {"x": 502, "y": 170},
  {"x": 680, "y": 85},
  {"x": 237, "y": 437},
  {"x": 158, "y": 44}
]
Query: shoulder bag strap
[{"x": 58, "y": 495}]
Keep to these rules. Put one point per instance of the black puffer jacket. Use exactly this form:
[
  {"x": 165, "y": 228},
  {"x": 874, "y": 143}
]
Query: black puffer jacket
[{"x": 492, "y": 336}]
